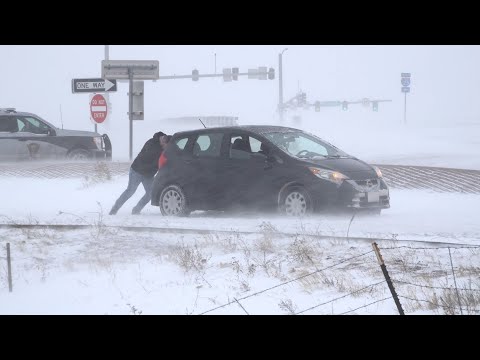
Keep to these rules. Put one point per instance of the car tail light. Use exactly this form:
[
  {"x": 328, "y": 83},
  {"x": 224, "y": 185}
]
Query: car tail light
[{"x": 162, "y": 161}]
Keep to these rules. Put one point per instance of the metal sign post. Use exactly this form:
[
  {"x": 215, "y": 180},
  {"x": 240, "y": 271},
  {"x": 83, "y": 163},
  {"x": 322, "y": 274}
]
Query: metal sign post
[
  {"x": 131, "y": 70},
  {"x": 405, "y": 80}
]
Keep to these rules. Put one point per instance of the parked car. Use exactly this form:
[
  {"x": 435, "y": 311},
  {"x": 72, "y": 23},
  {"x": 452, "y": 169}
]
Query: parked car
[
  {"x": 263, "y": 167},
  {"x": 26, "y": 136}
]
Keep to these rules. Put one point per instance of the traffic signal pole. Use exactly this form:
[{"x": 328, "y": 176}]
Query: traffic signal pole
[
  {"x": 130, "y": 110},
  {"x": 280, "y": 84}
]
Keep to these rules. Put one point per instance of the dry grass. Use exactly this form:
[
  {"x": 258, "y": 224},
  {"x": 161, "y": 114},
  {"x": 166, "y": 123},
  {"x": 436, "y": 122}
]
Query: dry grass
[
  {"x": 303, "y": 251},
  {"x": 190, "y": 257},
  {"x": 288, "y": 306},
  {"x": 101, "y": 174}
]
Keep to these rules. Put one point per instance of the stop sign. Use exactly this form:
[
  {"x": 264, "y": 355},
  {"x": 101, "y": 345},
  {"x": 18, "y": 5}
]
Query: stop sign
[{"x": 98, "y": 108}]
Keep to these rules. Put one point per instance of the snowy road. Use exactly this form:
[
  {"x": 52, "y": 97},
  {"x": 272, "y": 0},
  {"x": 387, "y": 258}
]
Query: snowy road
[{"x": 396, "y": 176}]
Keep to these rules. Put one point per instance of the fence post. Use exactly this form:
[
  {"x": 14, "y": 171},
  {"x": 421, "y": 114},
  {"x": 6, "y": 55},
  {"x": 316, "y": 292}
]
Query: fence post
[
  {"x": 9, "y": 267},
  {"x": 387, "y": 277},
  {"x": 455, "y": 281}
]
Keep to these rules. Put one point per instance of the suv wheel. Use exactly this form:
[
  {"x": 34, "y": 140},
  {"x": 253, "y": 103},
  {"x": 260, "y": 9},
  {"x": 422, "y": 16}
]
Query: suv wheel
[
  {"x": 173, "y": 201},
  {"x": 79, "y": 154},
  {"x": 296, "y": 201}
]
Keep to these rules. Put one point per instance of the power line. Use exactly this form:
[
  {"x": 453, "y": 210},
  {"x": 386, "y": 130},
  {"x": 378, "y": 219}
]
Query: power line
[
  {"x": 287, "y": 282},
  {"x": 365, "y": 305},
  {"x": 341, "y": 297}
]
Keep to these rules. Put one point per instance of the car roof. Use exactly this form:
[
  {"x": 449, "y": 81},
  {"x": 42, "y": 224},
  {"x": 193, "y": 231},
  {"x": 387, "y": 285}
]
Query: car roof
[
  {"x": 257, "y": 129},
  {"x": 10, "y": 111}
]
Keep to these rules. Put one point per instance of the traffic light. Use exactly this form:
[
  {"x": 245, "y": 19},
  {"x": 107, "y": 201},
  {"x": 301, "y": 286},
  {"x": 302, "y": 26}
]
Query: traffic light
[
  {"x": 271, "y": 74},
  {"x": 235, "y": 74},
  {"x": 317, "y": 106},
  {"x": 375, "y": 106},
  {"x": 344, "y": 106},
  {"x": 227, "y": 74},
  {"x": 195, "y": 75},
  {"x": 302, "y": 98}
]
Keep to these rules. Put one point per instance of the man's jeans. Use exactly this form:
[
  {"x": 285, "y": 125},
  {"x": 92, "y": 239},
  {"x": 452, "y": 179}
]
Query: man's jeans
[{"x": 134, "y": 179}]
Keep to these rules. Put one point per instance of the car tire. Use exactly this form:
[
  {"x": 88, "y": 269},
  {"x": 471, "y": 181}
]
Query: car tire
[
  {"x": 173, "y": 202},
  {"x": 295, "y": 201},
  {"x": 79, "y": 155}
]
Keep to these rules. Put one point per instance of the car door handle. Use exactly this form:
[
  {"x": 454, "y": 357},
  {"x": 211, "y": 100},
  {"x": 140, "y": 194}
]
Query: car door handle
[
  {"x": 187, "y": 161},
  {"x": 22, "y": 139}
]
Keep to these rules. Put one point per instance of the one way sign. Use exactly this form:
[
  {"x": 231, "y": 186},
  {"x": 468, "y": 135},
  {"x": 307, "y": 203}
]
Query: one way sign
[{"x": 93, "y": 85}]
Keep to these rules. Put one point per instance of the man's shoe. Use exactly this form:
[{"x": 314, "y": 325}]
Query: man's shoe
[
  {"x": 135, "y": 212},
  {"x": 112, "y": 212}
]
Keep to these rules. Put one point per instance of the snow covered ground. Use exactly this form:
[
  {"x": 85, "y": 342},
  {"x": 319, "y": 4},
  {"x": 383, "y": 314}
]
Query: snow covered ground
[{"x": 106, "y": 270}]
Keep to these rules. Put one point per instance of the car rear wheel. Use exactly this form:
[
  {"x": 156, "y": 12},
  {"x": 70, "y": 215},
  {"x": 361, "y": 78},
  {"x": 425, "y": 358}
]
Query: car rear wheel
[
  {"x": 79, "y": 155},
  {"x": 296, "y": 201},
  {"x": 173, "y": 201}
]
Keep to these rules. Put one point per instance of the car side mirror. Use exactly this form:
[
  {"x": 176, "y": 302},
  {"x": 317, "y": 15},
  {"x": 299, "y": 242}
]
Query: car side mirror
[{"x": 51, "y": 132}]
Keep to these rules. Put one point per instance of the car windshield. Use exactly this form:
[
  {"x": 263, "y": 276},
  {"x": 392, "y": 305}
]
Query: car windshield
[{"x": 304, "y": 146}]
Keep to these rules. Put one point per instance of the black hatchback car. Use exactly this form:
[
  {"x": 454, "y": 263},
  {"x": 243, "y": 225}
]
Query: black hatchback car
[
  {"x": 263, "y": 167},
  {"x": 26, "y": 136}
]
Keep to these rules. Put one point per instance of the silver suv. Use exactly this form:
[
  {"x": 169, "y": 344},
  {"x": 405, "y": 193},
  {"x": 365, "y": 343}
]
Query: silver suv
[{"x": 26, "y": 136}]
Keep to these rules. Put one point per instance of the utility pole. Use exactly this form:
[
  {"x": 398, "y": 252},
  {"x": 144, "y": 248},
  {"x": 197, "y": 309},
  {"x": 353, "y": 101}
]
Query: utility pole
[
  {"x": 106, "y": 58},
  {"x": 280, "y": 84}
]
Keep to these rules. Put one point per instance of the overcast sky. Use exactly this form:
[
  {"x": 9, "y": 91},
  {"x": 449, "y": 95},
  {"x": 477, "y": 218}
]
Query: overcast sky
[{"x": 445, "y": 81}]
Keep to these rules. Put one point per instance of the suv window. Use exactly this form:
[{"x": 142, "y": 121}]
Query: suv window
[
  {"x": 31, "y": 125},
  {"x": 208, "y": 145},
  {"x": 8, "y": 124}
]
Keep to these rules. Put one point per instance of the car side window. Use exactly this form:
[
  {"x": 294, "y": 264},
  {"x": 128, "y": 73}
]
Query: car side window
[
  {"x": 31, "y": 125},
  {"x": 8, "y": 124},
  {"x": 208, "y": 145},
  {"x": 246, "y": 147},
  {"x": 181, "y": 143},
  {"x": 239, "y": 147}
]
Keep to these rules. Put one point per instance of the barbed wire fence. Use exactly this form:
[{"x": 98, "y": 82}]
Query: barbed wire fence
[
  {"x": 452, "y": 300},
  {"x": 363, "y": 289},
  {"x": 457, "y": 298},
  {"x": 469, "y": 302}
]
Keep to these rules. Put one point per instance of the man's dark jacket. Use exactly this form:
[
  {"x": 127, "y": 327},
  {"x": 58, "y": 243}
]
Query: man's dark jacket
[{"x": 146, "y": 162}]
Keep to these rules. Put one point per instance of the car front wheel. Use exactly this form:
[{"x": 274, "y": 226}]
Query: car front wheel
[
  {"x": 296, "y": 201},
  {"x": 79, "y": 155},
  {"x": 173, "y": 201}
]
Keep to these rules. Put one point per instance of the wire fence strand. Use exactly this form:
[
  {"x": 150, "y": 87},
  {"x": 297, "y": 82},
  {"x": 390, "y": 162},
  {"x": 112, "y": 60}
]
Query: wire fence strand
[
  {"x": 288, "y": 282},
  {"x": 340, "y": 297},
  {"x": 364, "y": 306},
  {"x": 435, "y": 304},
  {"x": 430, "y": 248},
  {"x": 432, "y": 287}
]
